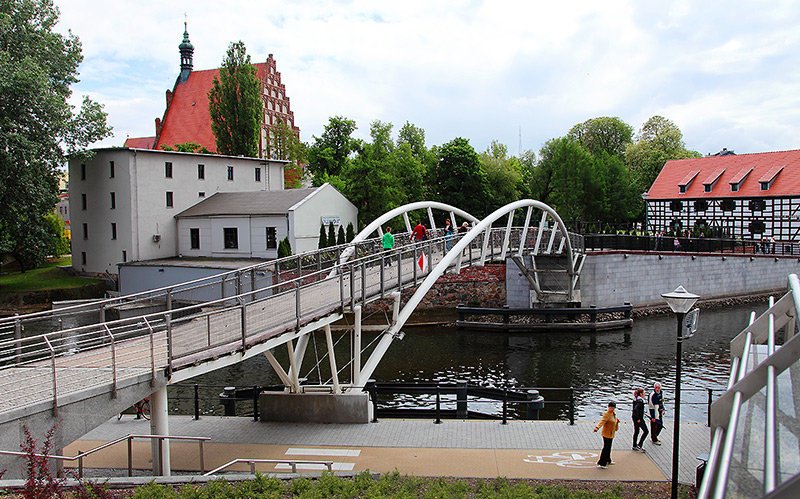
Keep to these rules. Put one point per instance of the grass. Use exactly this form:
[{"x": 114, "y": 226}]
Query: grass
[{"x": 48, "y": 276}]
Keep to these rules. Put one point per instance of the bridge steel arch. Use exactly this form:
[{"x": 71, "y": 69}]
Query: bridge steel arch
[{"x": 455, "y": 255}]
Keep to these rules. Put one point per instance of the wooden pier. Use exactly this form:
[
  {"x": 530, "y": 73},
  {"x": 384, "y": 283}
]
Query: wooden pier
[{"x": 534, "y": 320}]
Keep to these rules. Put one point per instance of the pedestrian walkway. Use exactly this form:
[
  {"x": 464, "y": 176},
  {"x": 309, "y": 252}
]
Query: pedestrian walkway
[{"x": 520, "y": 449}]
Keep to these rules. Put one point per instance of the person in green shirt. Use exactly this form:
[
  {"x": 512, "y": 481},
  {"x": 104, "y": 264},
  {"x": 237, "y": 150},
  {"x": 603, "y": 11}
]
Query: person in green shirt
[{"x": 388, "y": 243}]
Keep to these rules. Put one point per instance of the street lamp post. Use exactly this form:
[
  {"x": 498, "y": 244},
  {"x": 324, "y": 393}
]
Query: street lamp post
[{"x": 680, "y": 301}]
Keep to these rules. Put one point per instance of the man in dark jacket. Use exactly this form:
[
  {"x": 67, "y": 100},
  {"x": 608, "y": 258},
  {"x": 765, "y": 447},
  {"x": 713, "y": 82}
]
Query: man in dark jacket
[
  {"x": 638, "y": 419},
  {"x": 656, "y": 404}
]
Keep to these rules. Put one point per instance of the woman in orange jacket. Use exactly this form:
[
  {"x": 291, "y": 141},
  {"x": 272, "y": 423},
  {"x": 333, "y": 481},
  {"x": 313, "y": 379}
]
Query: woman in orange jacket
[{"x": 610, "y": 425}]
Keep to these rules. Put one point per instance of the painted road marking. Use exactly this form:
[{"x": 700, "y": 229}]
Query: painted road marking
[
  {"x": 565, "y": 459},
  {"x": 303, "y": 451},
  {"x": 317, "y": 467}
]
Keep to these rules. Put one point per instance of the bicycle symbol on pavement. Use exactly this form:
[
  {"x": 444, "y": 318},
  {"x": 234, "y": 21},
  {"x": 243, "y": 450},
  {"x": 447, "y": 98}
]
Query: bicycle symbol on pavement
[{"x": 565, "y": 459}]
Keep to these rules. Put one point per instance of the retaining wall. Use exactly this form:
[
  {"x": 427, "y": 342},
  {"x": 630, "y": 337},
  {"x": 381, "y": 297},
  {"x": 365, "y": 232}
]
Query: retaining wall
[{"x": 612, "y": 278}]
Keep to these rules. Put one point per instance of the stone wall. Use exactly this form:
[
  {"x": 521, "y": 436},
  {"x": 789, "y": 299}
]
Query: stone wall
[{"x": 612, "y": 278}]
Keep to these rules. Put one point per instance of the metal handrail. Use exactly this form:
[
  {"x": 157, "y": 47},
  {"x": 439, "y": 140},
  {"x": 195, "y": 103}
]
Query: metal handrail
[
  {"x": 746, "y": 381},
  {"x": 252, "y": 463},
  {"x": 129, "y": 439}
]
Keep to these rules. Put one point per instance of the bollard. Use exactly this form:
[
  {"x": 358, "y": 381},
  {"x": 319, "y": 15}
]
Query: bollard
[
  {"x": 373, "y": 394},
  {"x": 228, "y": 400},
  {"x": 505, "y": 406},
  {"x": 709, "y": 407},
  {"x": 461, "y": 399},
  {"x": 534, "y": 405},
  {"x": 256, "y": 393},
  {"x": 572, "y": 405}
]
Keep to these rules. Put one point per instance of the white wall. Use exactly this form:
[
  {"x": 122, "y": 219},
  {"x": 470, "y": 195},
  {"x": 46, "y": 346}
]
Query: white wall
[
  {"x": 140, "y": 185},
  {"x": 307, "y": 216},
  {"x": 251, "y": 231}
]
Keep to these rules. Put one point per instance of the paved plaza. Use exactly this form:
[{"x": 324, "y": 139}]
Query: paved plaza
[{"x": 519, "y": 449}]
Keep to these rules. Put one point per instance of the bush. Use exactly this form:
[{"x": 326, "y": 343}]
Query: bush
[{"x": 323, "y": 239}]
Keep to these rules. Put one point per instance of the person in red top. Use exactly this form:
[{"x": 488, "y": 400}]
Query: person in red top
[{"x": 419, "y": 233}]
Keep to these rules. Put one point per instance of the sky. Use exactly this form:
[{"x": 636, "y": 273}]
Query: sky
[{"x": 726, "y": 72}]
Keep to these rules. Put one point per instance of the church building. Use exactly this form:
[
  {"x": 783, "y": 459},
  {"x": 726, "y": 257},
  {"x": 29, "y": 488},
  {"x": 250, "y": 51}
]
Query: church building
[{"x": 187, "y": 118}]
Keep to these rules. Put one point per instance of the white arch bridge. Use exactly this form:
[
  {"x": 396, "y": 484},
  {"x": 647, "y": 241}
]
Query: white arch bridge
[{"x": 83, "y": 375}]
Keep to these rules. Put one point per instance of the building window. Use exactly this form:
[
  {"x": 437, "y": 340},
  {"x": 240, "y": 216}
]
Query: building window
[
  {"x": 258, "y": 174},
  {"x": 272, "y": 238},
  {"x": 83, "y": 258},
  {"x": 168, "y": 169},
  {"x": 756, "y": 227},
  {"x": 113, "y": 230},
  {"x": 110, "y": 169},
  {"x": 757, "y": 205},
  {"x": 230, "y": 173},
  {"x": 83, "y": 172},
  {"x": 764, "y": 186},
  {"x": 169, "y": 199},
  {"x": 201, "y": 194},
  {"x": 231, "y": 237},
  {"x": 675, "y": 205},
  {"x": 201, "y": 172},
  {"x": 734, "y": 187},
  {"x": 83, "y": 201},
  {"x": 86, "y": 231},
  {"x": 113, "y": 201},
  {"x": 700, "y": 205},
  {"x": 727, "y": 205},
  {"x": 194, "y": 238},
  {"x": 124, "y": 256}
]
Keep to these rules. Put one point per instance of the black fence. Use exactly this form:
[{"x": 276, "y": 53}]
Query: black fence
[{"x": 600, "y": 242}]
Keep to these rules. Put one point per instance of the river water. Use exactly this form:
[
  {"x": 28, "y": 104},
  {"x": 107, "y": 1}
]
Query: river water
[{"x": 608, "y": 365}]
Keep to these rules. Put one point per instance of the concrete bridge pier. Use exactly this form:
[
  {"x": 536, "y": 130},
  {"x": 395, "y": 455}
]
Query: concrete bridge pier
[{"x": 159, "y": 425}]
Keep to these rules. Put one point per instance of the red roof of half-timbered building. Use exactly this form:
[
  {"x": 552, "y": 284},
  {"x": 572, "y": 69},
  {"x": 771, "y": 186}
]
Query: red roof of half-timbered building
[{"x": 729, "y": 176}]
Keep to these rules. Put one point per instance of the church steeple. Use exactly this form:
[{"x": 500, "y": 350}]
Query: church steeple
[{"x": 187, "y": 51}]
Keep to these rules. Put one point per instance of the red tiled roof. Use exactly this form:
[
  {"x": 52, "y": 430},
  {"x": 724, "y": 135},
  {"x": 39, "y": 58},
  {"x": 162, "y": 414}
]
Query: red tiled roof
[
  {"x": 140, "y": 142},
  {"x": 711, "y": 180},
  {"x": 188, "y": 118},
  {"x": 770, "y": 175},
  {"x": 744, "y": 172},
  {"x": 787, "y": 183},
  {"x": 688, "y": 178}
]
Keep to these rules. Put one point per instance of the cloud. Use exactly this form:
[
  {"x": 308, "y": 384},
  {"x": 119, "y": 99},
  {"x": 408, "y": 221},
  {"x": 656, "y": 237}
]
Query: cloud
[{"x": 483, "y": 70}]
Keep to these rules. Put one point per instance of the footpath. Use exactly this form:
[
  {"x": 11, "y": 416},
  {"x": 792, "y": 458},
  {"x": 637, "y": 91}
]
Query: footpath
[{"x": 468, "y": 449}]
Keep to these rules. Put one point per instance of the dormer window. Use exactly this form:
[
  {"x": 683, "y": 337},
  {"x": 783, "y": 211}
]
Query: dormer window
[
  {"x": 768, "y": 178},
  {"x": 684, "y": 184},
  {"x": 711, "y": 181},
  {"x": 739, "y": 178}
]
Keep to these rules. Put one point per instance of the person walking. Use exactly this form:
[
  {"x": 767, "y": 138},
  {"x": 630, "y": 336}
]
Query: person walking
[
  {"x": 655, "y": 403},
  {"x": 419, "y": 233},
  {"x": 638, "y": 419},
  {"x": 610, "y": 424},
  {"x": 448, "y": 234},
  {"x": 388, "y": 243}
]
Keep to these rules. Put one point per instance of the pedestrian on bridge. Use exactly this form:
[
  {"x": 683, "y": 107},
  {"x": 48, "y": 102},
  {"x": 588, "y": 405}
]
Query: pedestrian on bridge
[
  {"x": 655, "y": 403},
  {"x": 448, "y": 234},
  {"x": 419, "y": 233},
  {"x": 637, "y": 415},
  {"x": 388, "y": 243},
  {"x": 610, "y": 425}
]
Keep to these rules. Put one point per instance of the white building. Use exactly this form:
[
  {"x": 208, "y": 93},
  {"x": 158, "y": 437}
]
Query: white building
[
  {"x": 123, "y": 201},
  {"x": 251, "y": 224}
]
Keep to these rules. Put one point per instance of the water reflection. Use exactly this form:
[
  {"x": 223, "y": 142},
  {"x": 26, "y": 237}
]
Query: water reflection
[{"x": 609, "y": 365}]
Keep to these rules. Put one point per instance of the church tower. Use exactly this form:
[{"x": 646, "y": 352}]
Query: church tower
[{"x": 187, "y": 51}]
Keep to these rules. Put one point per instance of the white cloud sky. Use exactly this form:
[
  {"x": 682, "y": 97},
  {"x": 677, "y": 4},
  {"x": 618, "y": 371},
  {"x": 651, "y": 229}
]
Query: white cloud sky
[{"x": 726, "y": 72}]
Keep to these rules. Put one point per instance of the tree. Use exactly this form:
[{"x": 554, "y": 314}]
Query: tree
[
  {"x": 658, "y": 141},
  {"x": 458, "y": 179},
  {"x": 235, "y": 104},
  {"x": 330, "y": 153},
  {"x": 331, "y": 235},
  {"x": 38, "y": 126},
  {"x": 603, "y": 134},
  {"x": 323, "y": 239},
  {"x": 340, "y": 236},
  {"x": 350, "y": 234},
  {"x": 285, "y": 144},
  {"x": 284, "y": 248},
  {"x": 186, "y": 147},
  {"x": 503, "y": 175}
]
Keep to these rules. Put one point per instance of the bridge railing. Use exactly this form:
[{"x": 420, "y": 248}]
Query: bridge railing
[
  {"x": 765, "y": 466},
  {"x": 600, "y": 242}
]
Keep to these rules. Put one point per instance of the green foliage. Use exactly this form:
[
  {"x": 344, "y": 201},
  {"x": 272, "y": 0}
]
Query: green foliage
[
  {"x": 38, "y": 126},
  {"x": 350, "y": 233},
  {"x": 458, "y": 178},
  {"x": 658, "y": 141},
  {"x": 46, "y": 276},
  {"x": 330, "y": 153},
  {"x": 186, "y": 147},
  {"x": 331, "y": 235},
  {"x": 323, "y": 239},
  {"x": 603, "y": 134},
  {"x": 284, "y": 143},
  {"x": 503, "y": 176},
  {"x": 235, "y": 104},
  {"x": 284, "y": 248},
  {"x": 565, "y": 179},
  {"x": 340, "y": 236}
]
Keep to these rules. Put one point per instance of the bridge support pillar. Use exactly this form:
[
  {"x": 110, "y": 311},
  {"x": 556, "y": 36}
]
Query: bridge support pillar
[{"x": 159, "y": 425}]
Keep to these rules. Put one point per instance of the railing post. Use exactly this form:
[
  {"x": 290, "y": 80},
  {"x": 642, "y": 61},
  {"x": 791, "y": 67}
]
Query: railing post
[
  {"x": 414, "y": 264},
  {"x": 708, "y": 423},
  {"x": 80, "y": 464},
  {"x": 297, "y": 305},
  {"x": 152, "y": 353},
  {"x": 168, "y": 320},
  {"x": 461, "y": 400},
  {"x": 255, "y": 403},
  {"x": 383, "y": 277},
  {"x": 244, "y": 322},
  {"x": 202, "y": 456},
  {"x": 505, "y": 406},
  {"x": 196, "y": 402},
  {"x": 571, "y": 406},
  {"x": 363, "y": 281},
  {"x": 341, "y": 291},
  {"x": 438, "y": 406},
  {"x": 18, "y": 336},
  {"x": 130, "y": 455},
  {"x": 352, "y": 286},
  {"x": 113, "y": 362}
]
